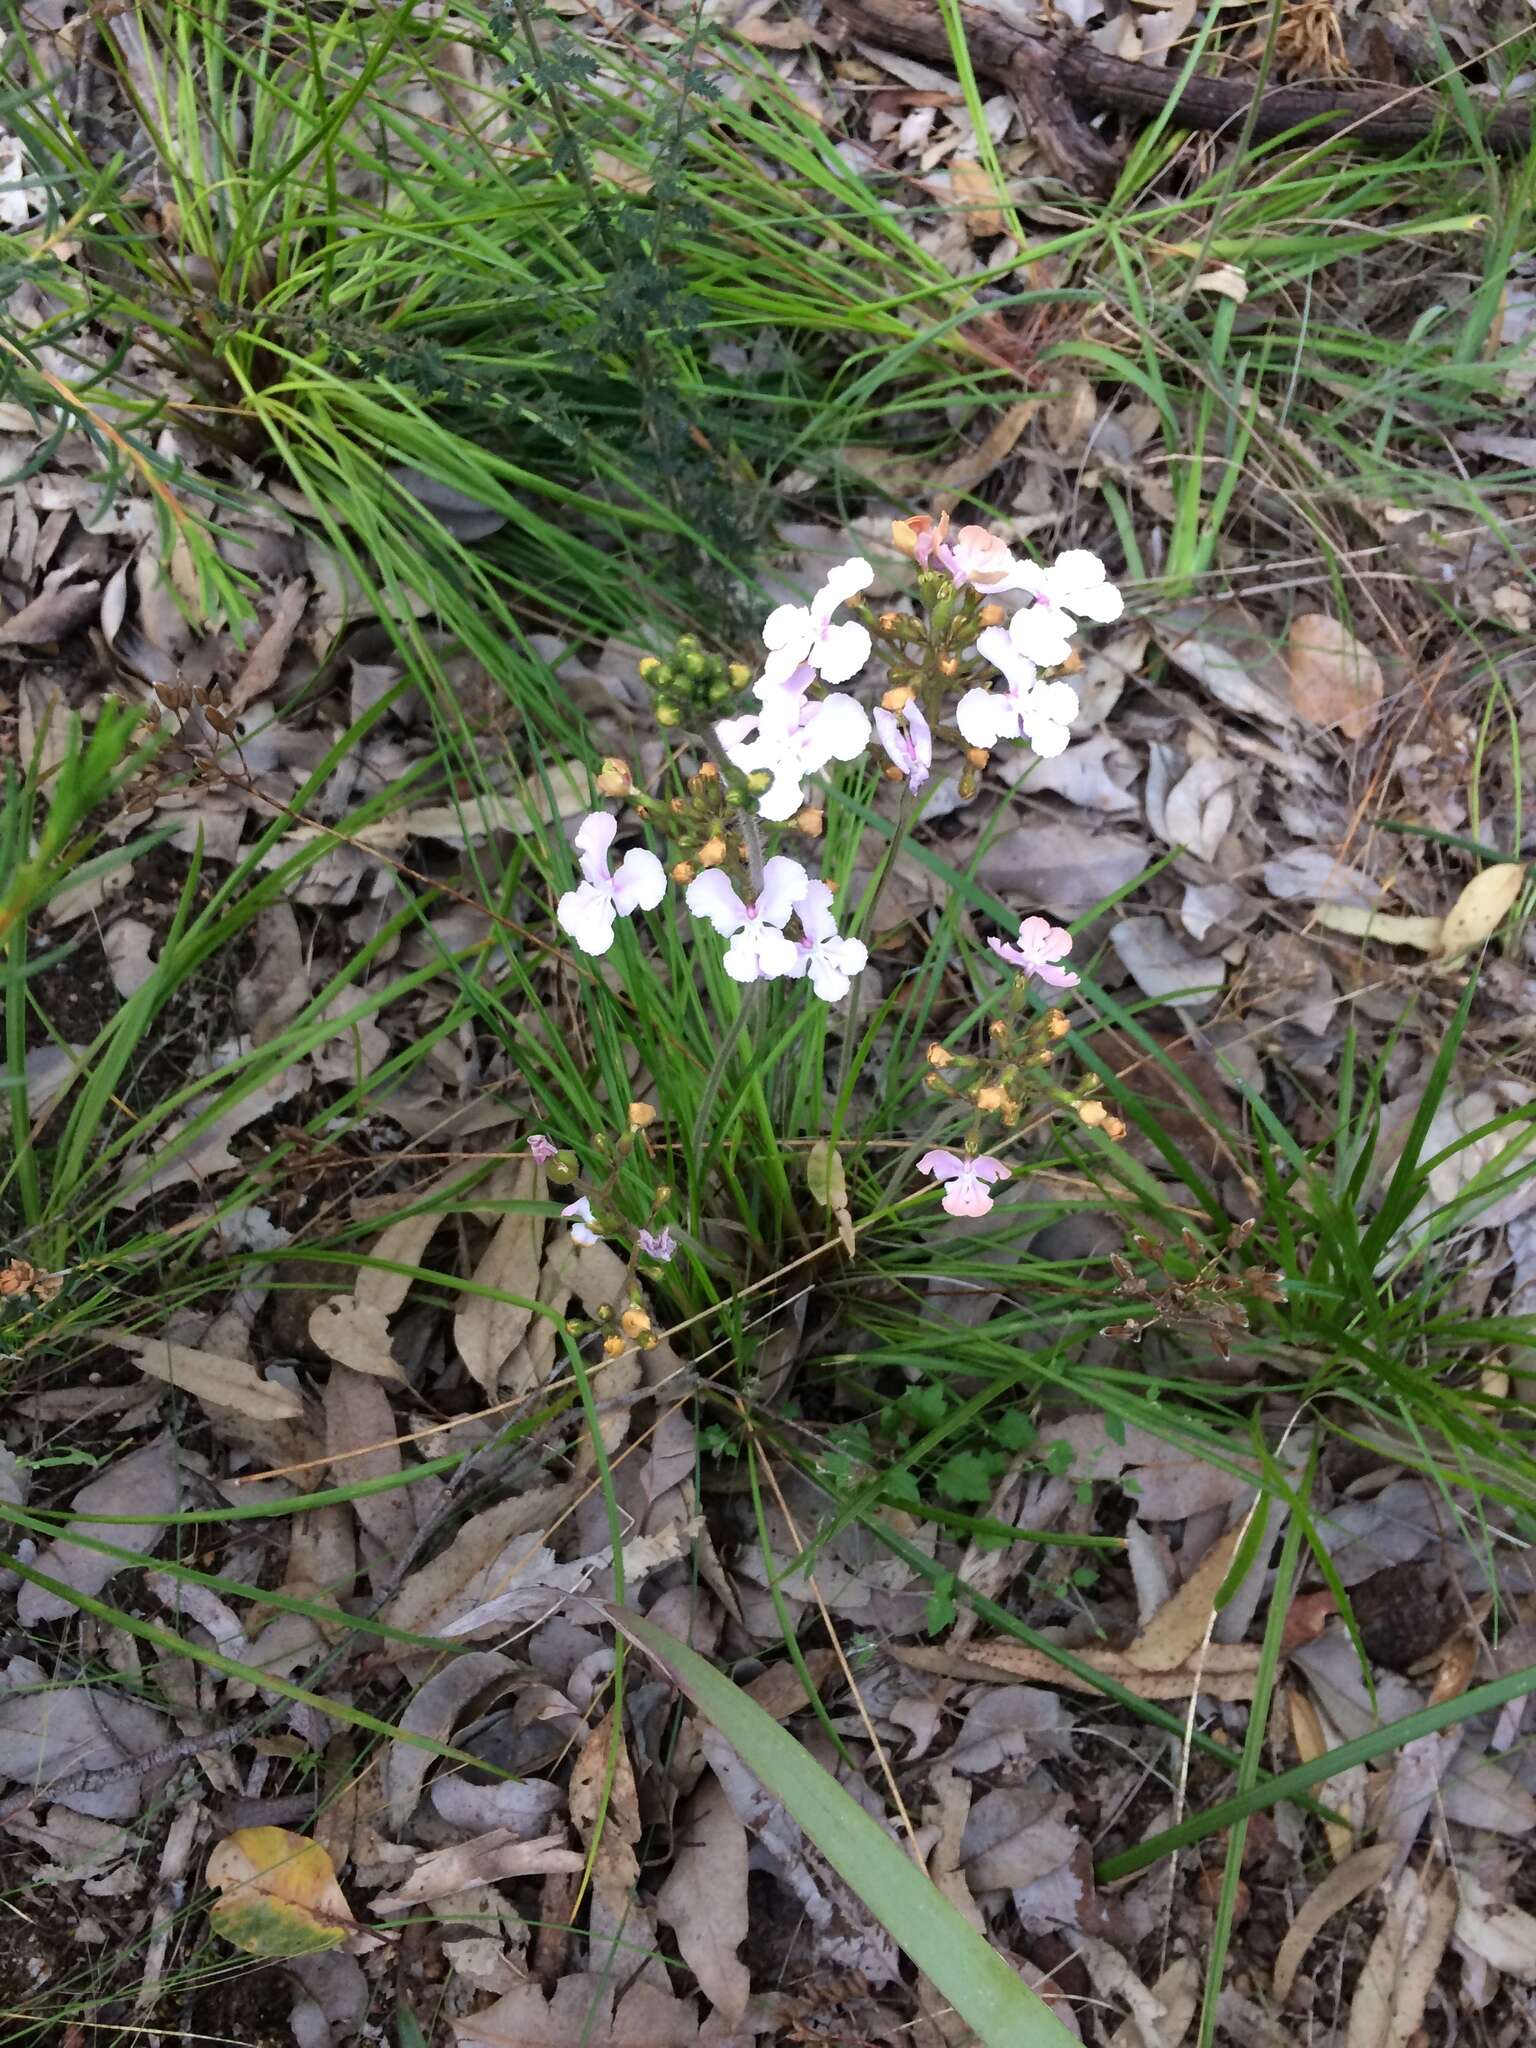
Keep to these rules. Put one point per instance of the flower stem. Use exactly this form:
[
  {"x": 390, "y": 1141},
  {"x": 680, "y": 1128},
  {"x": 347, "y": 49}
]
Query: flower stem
[{"x": 716, "y": 1075}]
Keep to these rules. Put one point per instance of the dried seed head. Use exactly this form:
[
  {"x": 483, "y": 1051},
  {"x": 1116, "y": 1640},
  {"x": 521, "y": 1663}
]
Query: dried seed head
[
  {"x": 1092, "y": 1113},
  {"x": 712, "y": 852},
  {"x": 989, "y": 1098},
  {"x": 1056, "y": 1023},
  {"x": 683, "y": 871},
  {"x": 614, "y": 1346},
  {"x": 940, "y": 1056},
  {"x": 977, "y": 757},
  {"x": 810, "y": 821},
  {"x": 1113, "y": 1127},
  {"x": 641, "y": 1115},
  {"x": 614, "y": 778},
  {"x": 897, "y": 699}
]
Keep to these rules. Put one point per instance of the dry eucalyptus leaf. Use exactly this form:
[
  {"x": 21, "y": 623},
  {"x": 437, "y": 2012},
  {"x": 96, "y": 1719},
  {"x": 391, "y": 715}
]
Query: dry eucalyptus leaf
[
  {"x": 264, "y": 664},
  {"x": 1399, "y": 1972},
  {"x": 435, "y": 1711},
  {"x": 1502, "y": 1934},
  {"x": 1336, "y": 681},
  {"x": 484, "y": 1556},
  {"x": 1423, "y": 933},
  {"x": 1226, "y": 1671},
  {"x": 401, "y": 1244},
  {"x": 487, "y": 1859},
  {"x": 217, "y": 1381},
  {"x": 487, "y": 1329},
  {"x": 126, "y": 943},
  {"x": 1061, "y": 867},
  {"x": 146, "y": 1482},
  {"x": 1175, "y": 1633},
  {"x": 972, "y": 185},
  {"x": 1163, "y": 968},
  {"x": 48, "y": 1731},
  {"x": 1481, "y": 908},
  {"x": 280, "y": 1895},
  {"x": 1349, "y": 1881},
  {"x": 355, "y": 1337},
  {"x": 1227, "y": 650},
  {"x": 704, "y": 1899}
]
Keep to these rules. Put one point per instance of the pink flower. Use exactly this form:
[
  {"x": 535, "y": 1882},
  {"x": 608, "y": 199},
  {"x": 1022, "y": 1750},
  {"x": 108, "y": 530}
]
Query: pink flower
[
  {"x": 979, "y": 558},
  {"x": 912, "y": 749},
  {"x": 583, "y": 1222},
  {"x": 965, "y": 1180},
  {"x": 587, "y": 913},
  {"x": 540, "y": 1148},
  {"x": 1041, "y": 944},
  {"x": 658, "y": 1245},
  {"x": 758, "y": 950}
]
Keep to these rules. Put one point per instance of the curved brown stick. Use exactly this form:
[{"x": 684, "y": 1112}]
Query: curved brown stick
[{"x": 1050, "y": 72}]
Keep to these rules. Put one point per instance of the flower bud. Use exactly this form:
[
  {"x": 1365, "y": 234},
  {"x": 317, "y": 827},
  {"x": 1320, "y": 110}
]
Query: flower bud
[
  {"x": 739, "y": 674},
  {"x": 940, "y": 1056},
  {"x": 682, "y": 872},
  {"x": 563, "y": 1167},
  {"x": 614, "y": 1346},
  {"x": 989, "y": 1098},
  {"x": 712, "y": 852},
  {"x": 1056, "y": 1023},
  {"x": 614, "y": 778},
  {"x": 992, "y": 615},
  {"x": 641, "y": 1115},
  {"x": 634, "y": 1322},
  {"x": 695, "y": 667},
  {"x": 759, "y": 782},
  {"x": 1092, "y": 1113},
  {"x": 977, "y": 756},
  {"x": 668, "y": 715},
  {"x": 708, "y": 772},
  {"x": 649, "y": 666},
  {"x": 968, "y": 784},
  {"x": 949, "y": 666},
  {"x": 897, "y": 699},
  {"x": 810, "y": 821},
  {"x": 1113, "y": 1127},
  {"x": 998, "y": 1028}
]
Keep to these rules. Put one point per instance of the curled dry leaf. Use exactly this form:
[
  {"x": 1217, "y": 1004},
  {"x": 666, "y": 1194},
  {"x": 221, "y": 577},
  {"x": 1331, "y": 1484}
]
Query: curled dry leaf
[
  {"x": 1349, "y": 1881},
  {"x": 354, "y": 1336},
  {"x": 487, "y": 1859},
  {"x": 1336, "y": 681},
  {"x": 281, "y": 1897},
  {"x": 435, "y": 1712},
  {"x": 1481, "y": 908},
  {"x": 215, "y": 1380}
]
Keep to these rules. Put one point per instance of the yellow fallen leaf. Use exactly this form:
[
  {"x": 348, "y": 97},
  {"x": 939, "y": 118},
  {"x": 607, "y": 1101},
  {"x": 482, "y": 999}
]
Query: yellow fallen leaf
[
  {"x": 1421, "y": 932},
  {"x": 973, "y": 187},
  {"x": 1335, "y": 679},
  {"x": 1481, "y": 908},
  {"x": 1174, "y": 1634},
  {"x": 281, "y": 1897}
]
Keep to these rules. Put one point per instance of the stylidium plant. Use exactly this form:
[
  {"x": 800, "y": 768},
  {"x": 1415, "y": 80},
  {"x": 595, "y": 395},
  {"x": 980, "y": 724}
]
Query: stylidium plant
[{"x": 962, "y": 671}]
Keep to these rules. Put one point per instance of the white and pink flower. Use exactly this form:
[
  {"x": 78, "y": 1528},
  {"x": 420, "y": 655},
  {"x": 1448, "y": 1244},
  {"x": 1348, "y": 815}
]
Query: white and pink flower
[
  {"x": 830, "y": 960},
  {"x": 804, "y": 635},
  {"x": 1039, "y": 948},
  {"x": 586, "y": 914},
  {"x": 966, "y": 1181},
  {"x": 793, "y": 736},
  {"x": 583, "y": 1222},
  {"x": 1026, "y": 709},
  {"x": 758, "y": 949},
  {"x": 1074, "y": 587},
  {"x": 907, "y": 738}
]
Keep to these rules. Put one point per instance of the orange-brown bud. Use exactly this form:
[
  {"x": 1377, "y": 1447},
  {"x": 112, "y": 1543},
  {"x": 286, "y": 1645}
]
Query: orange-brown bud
[
  {"x": 614, "y": 778},
  {"x": 1092, "y": 1113},
  {"x": 1056, "y": 1023},
  {"x": 634, "y": 1322},
  {"x": 989, "y": 1098},
  {"x": 940, "y": 1056},
  {"x": 1113, "y": 1127},
  {"x": 683, "y": 872},
  {"x": 712, "y": 852},
  {"x": 897, "y": 699},
  {"x": 949, "y": 666},
  {"x": 641, "y": 1115},
  {"x": 708, "y": 771},
  {"x": 977, "y": 756},
  {"x": 614, "y": 1346},
  {"x": 992, "y": 615},
  {"x": 810, "y": 821}
]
